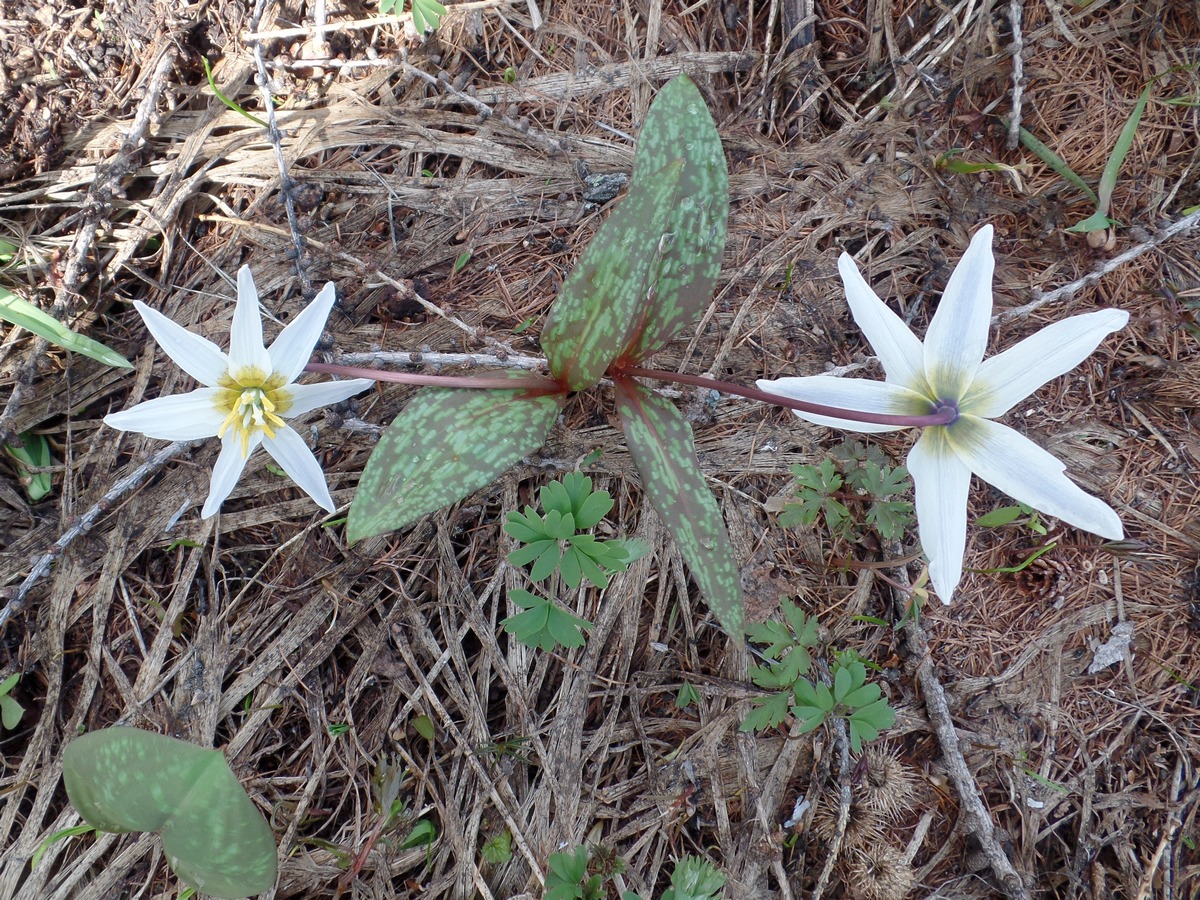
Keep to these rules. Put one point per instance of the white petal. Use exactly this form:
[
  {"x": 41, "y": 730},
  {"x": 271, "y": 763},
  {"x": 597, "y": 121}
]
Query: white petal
[
  {"x": 1026, "y": 472},
  {"x": 179, "y": 417},
  {"x": 898, "y": 349},
  {"x": 298, "y": 461},
  {"x": 958, "y": 333},
  {"x": 307, "y": 397},
  {"x": 246, "y": 349},
  {"x": 294, "y": 345},
  {"x": 228, "y": 470},
  {"x": 196, "y": 355},
  {"x": 1009, "y": 377},
  {"x": 850, "y": 394},
  {"x": 941, "y": 481}
]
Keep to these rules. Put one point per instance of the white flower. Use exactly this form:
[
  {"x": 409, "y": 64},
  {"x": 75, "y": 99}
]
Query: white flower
[
  {"x": 949, "y": 370},
  {"x": 247, "y": 395}
]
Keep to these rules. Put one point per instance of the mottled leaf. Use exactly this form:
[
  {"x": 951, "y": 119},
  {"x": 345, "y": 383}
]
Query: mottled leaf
[
  {"x": 124, "y": 779},
  {"x": 660, "y": 441},
  {"x": 446, "y": 443},
  {"x": 679, "y": 126},
  {"x": 595, "y": 313}
]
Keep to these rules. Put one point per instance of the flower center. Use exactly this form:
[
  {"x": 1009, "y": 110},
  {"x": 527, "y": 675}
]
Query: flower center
[
  {"x": 252, "y": 402},
  {"x": 950, "y": 407}
]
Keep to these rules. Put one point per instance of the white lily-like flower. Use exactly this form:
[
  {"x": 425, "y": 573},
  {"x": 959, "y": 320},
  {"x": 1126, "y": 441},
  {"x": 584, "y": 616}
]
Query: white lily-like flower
[
  {"x": 948, "y": 370},
  {"x": 247, "y": 394}
]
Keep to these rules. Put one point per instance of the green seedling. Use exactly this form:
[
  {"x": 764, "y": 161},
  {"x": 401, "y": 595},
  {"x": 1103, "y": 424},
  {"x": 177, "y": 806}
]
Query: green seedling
[
  {"x": 553, "y": 542},
  {"x": 215, "y": 839},
  {"x": 513, "y": 747},
  {"x": 32, "y": 452},
  {"x": 232, "y": 104},
  {"x": 543, "y": 624},
  {"x": 10, "y": 710},
  {"x": 497, "y": 849},
  {"x": 694, "y": 879},
  {"x": 951, "y": 161},
  {"x": 1020, "y": 514},
  {"x": 1102, "y": 196},
  {"x": 861, "y": 479},
  {"x": 21, "y": 312},
  {"x": 426, "y": 14},
  {"x": 862, "y": 704},
  {"x": 788, "y": 661},
  {"x": 567, "y": 877},
  {"x": 687, "y": 696}
]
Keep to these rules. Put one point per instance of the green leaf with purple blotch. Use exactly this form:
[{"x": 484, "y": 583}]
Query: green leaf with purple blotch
[
  {"x": 124, "y": 779},
  {"x": 679, "y": 126},
  {"x": 447, "y": 443},
  {"x": 660, "y": 441},
  {"x": 596, "y": 310}
]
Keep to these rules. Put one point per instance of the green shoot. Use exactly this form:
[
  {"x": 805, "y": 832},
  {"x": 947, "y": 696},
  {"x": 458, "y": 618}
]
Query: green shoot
[
  {"x": 426, "y": 14},
  {"x": 10, "y": 710},
  {"x": 553, "y": 542},
  {"x": 21, "y": 312},
  {"x": 232, "y": 104},
  {"x": 567, "y": 877},
  {"x": 32, "y": 452},
  {"x": 1006, "y": 515},
  {"x": 694, "y": 879},
  {"x": 497, "y": 849}
]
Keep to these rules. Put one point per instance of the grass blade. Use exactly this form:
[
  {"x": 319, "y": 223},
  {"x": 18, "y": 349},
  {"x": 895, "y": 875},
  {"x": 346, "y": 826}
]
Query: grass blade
[
  {"x": 1057, "y": 164},
  {"x": 21, "y": 312}
]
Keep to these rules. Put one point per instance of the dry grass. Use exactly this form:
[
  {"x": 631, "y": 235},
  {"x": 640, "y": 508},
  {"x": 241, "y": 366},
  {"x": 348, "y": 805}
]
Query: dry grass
[{"x": 260, "y": 630}]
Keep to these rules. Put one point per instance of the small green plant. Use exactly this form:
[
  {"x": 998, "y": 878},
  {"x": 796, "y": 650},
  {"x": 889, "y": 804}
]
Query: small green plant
[
  {"x": 511, "y": 747},
  {"x": 10, "y": 710},
  {"x": 21, "y": 312},
  {"x": 32, "y": 452},
  {"x": 215, "y": 839},
  {"x": 1006, "y": 515},
  {"x": 554, "y": 542},
  {"x": 497, "y": 849},
  {"x": 860, "y": 479},
  {"x": 788, "y": 661},
  {"x": 543, "y": 624},
  {"x": 426, "y": 14},
  {"x": 694, "y": 879},
  {"x": 1102, "y": 197},
  {"x": 568, "y": 877},
  {"x": 860, "y": 703}
]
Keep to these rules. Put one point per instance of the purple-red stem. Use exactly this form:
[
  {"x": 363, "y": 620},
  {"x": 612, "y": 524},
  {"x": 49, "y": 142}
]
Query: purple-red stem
[{"x": 942, "y": 415}]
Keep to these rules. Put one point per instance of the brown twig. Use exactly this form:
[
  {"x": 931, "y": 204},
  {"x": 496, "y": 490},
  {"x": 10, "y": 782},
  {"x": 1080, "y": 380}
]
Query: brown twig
[
  {"x": 1182, "y": 226},
  {"x": 1018, "y": 74}
]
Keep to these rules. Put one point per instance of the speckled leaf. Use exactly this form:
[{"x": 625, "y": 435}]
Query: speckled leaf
[
  {"x": 660, "y": 442},
  {"x": 446, "y": 443},
  {"x": 124, "y": 779},
  {"x": 596, "y": 311},
  {"x": 679, "y": 126}
]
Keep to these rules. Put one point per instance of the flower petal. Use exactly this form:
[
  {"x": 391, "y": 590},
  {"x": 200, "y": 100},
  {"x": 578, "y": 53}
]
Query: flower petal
[
  {"x": 898, "y": 349},
  {"x": 228, "y": 469},
  {"x": 850, "y": 394},
  {"x": 958, "y": 333},
  {"x": 196, "y": 355},
  {"x": 294, "y": 345},
  {"x": 179, "y": 417},
  {"x": 307, "y": 397},
  {"x": 290, "y": 451},
  {"x": 1009, "y": 377},
  {"x": 941, "y": 481},
  {"x": 1023, "y": 470},
  {"x": 246, "y": 350}
]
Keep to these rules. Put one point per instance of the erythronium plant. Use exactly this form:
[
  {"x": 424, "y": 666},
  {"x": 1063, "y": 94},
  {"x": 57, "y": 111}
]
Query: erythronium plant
[
  {"x": 949, "y": 372},
  {"x": 247, "y": 394},
  {"x": 647, "y": 274}
]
